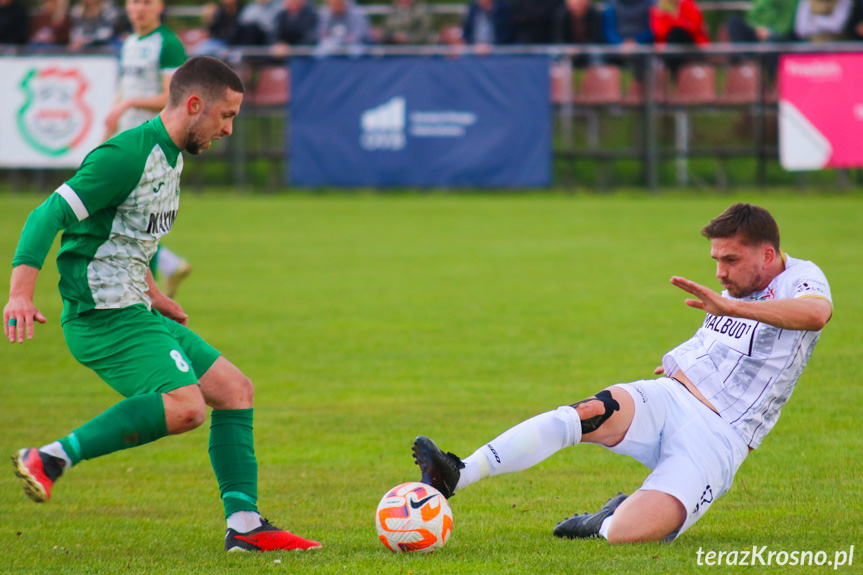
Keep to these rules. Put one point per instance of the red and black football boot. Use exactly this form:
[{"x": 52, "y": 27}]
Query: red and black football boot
[
  {"x": 267, "y": 537},
  {"x": 39, "y": 472}
]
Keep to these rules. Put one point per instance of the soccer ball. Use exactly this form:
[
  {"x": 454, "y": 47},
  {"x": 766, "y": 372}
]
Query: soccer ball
[{"x": 413, "y": 517}]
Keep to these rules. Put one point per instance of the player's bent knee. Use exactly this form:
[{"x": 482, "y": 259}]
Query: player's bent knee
[
  {"x": 648, "y": 532},
  {"x": 241, "y": 392},
  {"x": 193, "y": 417},
  {"x": 186, "y": 417},
  {"x": 185, "y": 409},
  {"x": 226, "y": 387},
  {"x": 246, "y": 389},
  {"x": 650, "y": 516},
  {"x": 618, "y": 538}
]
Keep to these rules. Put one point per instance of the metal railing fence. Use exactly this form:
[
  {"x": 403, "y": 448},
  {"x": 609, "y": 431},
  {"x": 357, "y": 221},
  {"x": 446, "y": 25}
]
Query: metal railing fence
[{"x": 648, "y": 121}]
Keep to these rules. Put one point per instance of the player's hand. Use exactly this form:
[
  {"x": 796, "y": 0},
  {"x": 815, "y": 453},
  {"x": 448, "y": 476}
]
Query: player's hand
[
  {"x": 708, "y": 300},
  {"x": 482, "y": 49},
  {"x": 24, "y": 314},
  {"x": 659, "y": 371},
  {"x": 280, "y": 50},
  {"x": 170, "y": 309},
  {"x": 113, "y": 116}
]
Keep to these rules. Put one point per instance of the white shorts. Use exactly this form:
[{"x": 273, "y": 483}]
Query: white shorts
[{"x": 693, "y": 452}]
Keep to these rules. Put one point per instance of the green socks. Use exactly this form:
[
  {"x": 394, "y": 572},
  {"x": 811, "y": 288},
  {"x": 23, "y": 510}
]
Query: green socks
[
  {"x": 141, "y": 419},
  {"x": 232, "y": 453},
  {"x": 132, "y": 422}
]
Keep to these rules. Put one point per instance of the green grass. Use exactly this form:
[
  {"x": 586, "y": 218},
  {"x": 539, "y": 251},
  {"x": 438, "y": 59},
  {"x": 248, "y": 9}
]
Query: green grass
[{"x": 366, "y": 320}]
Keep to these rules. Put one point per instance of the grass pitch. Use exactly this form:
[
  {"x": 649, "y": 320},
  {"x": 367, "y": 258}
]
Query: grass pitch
[{"x": 366, "y": 320}]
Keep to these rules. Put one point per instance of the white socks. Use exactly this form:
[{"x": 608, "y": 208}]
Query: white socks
[
  {"x": 523, "y": 446},
  {"x": 56, "y": 449},
  {"x": 606, "y": 525},
  {"x": 244, "y": 521},
  {"x": 168, "y": 262}
]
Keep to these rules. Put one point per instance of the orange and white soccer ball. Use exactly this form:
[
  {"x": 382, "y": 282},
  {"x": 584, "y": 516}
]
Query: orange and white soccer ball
[{"x": 414, "y": 517}]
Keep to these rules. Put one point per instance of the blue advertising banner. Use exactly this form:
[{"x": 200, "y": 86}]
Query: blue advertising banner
[{"x": 412, "y": 121}]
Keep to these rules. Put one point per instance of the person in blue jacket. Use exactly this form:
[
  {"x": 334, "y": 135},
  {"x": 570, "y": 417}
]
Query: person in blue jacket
[
  {"x": 488, "y": 22},
  {"x": 627, "y": 22}
]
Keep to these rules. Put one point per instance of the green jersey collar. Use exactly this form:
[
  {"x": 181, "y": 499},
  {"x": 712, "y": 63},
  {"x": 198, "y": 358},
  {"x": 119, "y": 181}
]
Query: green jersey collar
[
  {"x": 168, "y": 146},
  {"x": 151, "y": 32}
]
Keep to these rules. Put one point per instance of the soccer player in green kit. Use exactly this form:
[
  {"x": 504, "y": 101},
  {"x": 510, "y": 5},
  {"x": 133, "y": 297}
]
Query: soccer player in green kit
[{"x": 114, "y": 211}]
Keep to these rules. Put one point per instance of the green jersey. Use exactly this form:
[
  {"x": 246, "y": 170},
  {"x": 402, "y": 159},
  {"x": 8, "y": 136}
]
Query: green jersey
[
  {"x": 143, "y": 62},
  {"x": 123, "y": 199}
]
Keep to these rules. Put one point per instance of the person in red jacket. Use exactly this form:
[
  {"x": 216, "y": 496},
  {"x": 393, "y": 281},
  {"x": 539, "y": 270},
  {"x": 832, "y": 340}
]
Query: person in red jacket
[{"x": 678, "y": 22}]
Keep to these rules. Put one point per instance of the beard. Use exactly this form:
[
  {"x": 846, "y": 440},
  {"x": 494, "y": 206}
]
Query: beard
[
  {"x": 194, "y": 143},
  {"x": 740, "y": 291}
]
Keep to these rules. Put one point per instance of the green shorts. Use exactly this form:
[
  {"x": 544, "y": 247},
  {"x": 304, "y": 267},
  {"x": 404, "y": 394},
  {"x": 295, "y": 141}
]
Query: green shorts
[{"x": 138, "y": 351}]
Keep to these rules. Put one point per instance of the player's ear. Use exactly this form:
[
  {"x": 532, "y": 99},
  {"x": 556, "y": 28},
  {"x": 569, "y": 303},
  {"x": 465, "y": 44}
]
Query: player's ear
[
  {"x": 194, "y": 104},
  {"x": 769, "y": 254}
]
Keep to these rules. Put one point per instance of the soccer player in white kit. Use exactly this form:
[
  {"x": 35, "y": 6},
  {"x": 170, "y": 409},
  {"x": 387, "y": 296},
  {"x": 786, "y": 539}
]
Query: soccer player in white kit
[{"x": 718, "y": 395}]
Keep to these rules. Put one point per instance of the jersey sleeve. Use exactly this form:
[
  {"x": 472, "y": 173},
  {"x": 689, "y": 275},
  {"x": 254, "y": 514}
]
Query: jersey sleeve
[
  {"x": 41, "y": 228},
  {"x": 173, "y": 53},
  {"x": 807, "y": 280},
  {"x": 107, "y": 176}
]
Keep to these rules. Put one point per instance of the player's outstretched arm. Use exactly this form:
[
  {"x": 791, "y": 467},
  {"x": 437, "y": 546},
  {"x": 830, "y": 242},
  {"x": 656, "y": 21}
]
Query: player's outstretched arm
[
  {"x": 21, "y": 314},
  {"x": 163, "y": 304},
  {"x": 40, "y": 229},
  {"x": 807, "y": 313}
]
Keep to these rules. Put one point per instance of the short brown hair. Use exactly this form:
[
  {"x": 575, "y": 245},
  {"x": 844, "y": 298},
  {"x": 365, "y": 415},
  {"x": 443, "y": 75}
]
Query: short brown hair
[
  {"x": 205, "y": 76},
  {"x": 753, "y": 223}
]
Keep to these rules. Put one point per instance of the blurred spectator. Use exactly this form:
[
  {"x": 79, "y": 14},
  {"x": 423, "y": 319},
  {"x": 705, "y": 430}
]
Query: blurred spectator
[
  {"x": 488, "y": 22},
  {"x": 627, "y": 22},
  {"x": 93, "y": 23},
  {"x": 533, "y": 20},
  {"x": 296, "y": 24},
  {"x": 14, "y": 22},
  {"x": 342, "y": 24},
  {"x": 578, "y": 22},
  {"x": 409, "y": 22},
  {"x": 767, "y": 20},
  {"x": 677, "y": 22},
  {"x": 822, "y": 20},
  {"x": 50, "y": 24},
  {"x": 255, "y": 24},
  {"x": 223, "y": 21}
]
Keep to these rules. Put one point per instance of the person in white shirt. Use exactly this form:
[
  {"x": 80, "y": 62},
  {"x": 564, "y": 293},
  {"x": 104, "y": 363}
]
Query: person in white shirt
[
  {"x": 823, "y": 20},
  {"x": 719, "y": 393}
]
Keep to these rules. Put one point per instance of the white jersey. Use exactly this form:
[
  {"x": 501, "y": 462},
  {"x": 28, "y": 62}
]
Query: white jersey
[
  {"x": 748, "y": 369},
  {"x": 143, "y": 62}
]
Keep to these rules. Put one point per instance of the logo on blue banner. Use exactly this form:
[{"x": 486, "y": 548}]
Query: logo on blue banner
[
  {"x": 421, "y": 122},
  {"x": 384, "y": 126}
]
